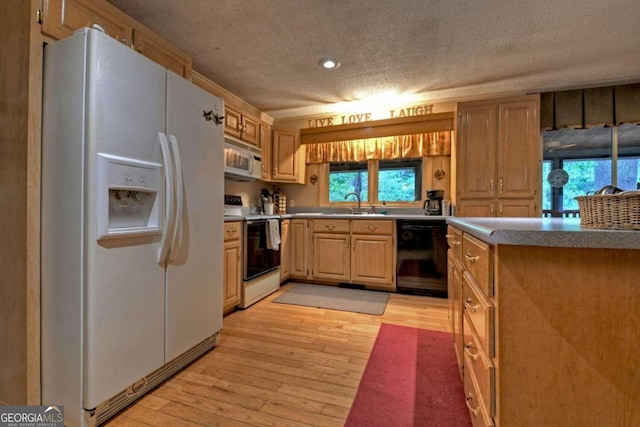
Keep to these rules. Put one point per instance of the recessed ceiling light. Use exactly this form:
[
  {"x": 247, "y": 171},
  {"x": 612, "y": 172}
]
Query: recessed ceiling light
[{"x": 329, "y": 63}]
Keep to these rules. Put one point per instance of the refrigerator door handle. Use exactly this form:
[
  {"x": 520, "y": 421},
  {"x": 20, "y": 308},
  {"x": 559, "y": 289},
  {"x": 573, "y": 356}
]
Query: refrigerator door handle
[
  {"x": 169, "y": 220},
  {"x": 179, "y": 191}
]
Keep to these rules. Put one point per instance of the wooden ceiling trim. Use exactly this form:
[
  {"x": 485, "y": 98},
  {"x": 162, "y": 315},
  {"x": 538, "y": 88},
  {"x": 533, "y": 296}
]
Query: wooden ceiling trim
[{"x": 437, "y": 122}]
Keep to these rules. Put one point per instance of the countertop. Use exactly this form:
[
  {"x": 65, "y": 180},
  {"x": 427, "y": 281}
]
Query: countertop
[
  {"x": 550, "y": 232},
  {"x": 312, "y": 215}
]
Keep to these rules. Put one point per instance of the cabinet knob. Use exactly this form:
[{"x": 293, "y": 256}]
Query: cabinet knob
[
  {"x": 467, "y": 348},
  {"x": 468, "y": 305},
  {"x": 469, "y": 399},
  {"x": 470, "y": 257}
]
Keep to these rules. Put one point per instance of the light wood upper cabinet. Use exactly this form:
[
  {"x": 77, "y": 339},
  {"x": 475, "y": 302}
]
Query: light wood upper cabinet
[
  {"x": 265, "y": 145},
  {"x": 477, "y": 151},
  {"x": 241, "y": 126},
  {"x": 285, "y": 250},
  {"x": 159, "y": 50},
  {"x": 518, "y": 149},
  {"x": 62, "y": 17},
  {"x": 499, "y": 157},
  {"x": 285, "y": 156}
]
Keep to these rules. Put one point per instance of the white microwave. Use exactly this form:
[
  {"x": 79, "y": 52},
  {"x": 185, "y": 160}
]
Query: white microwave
[{"x": 242, "y": 161}]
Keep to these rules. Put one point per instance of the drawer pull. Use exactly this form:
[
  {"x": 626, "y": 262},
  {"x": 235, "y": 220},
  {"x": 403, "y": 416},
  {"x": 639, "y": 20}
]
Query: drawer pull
[
  {"x": 231, "y": 231},
  {"x": 372, "y": 227},
  {"x": 468, "y": 305},
  {"x": 474, "y": 356},
  {"x": 470, "y": 257},
  {"x": 330, "y": 226},
  {"x": 473, "y": 411},
  {"x": 453, "y": 242}
]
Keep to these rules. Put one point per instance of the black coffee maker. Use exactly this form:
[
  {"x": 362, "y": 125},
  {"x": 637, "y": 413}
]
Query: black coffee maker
[{"x": 433, "y": 204}]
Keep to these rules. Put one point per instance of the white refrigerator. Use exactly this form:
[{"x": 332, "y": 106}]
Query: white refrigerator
[{"x": 132, "y": 220}]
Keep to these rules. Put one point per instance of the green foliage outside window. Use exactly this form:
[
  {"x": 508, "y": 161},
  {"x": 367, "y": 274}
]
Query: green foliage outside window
[
  {"x": 397, "y": 185},
  {"x": 344, "y": 182}
]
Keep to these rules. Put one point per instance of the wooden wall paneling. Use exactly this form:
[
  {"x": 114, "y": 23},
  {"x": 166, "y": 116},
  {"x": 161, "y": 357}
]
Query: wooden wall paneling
[
  {"x": 390, "y": 127},
  {"x": 20, "y": 85}
]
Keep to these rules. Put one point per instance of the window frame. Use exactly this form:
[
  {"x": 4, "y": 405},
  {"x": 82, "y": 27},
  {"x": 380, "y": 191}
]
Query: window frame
[{"x": 372, "y": 193}]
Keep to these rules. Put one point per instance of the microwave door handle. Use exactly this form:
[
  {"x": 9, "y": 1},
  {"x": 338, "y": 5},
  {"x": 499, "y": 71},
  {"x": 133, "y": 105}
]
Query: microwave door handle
[
  {"x": 179, "y": 183},
  {"x": 169, "y": 217}
]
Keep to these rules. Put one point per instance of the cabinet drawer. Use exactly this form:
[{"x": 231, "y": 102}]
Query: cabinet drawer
[
  {"x": 477, "y": 408},
  {"x": 331, "y": 226},
  {"x": 232, "y": 230},
  {"x": 362, "y": 226},
  {"x": 476, "y": 257},
  {"x": 480, "y": 312},
  {"x": 479, "y": 365},
  {"x": 454, "y": 239}
]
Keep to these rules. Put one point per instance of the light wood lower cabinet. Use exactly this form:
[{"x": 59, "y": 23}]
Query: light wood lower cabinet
[
  {"x": 354, "y": 251},
  {"x": 549, "y": 339},
  {"x": 285, "y": 250},
  {"x": 300, "y": 249},
  {"x": 454, "y": 282},
  {"x": 232, "y": 265},
  {"x": 372, "y": 260},
  {"x": 332, "y": 256}
]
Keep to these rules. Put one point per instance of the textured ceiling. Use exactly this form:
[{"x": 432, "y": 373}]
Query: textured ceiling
[{"x": 267, "y": 52}]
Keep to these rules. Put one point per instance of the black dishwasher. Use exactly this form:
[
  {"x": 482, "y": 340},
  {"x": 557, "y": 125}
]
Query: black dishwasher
[{"x": 421, "y": 266}]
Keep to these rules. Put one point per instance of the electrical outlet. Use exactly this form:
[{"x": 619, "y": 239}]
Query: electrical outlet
[{"x": 292, "y": 202}]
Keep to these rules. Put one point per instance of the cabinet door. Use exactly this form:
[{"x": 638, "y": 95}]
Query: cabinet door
[
  {"x": 162, "y": 52},
  {"x": 299, "y": 248},
  {"x": 480, "y": 207},
  {"x": 455, "y": 308},
  {"x": 519, "y": 149},
  {"x": 285, "y": 156},
  {"x": 250, "y": 130},
  {"x": 232, "y": 122},
  {"x": 285, "y": 248},
  {"x": 517, "y": 208},
  {"x": 232, "y": 274},
  {"x": 331, "y": 258},
  {"x": 477, "y": 133},
  {"x": 62, "y": 17},
  {"x": 265, "y": 144},
  {"x": 372, "y": 260}
]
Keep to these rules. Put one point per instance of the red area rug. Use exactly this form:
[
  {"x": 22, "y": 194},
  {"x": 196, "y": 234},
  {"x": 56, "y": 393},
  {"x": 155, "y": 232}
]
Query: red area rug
[{"x": 411, "y": 379}]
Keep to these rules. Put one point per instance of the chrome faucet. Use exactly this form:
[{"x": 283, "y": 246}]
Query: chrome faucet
[{"x": 357, "y": 197}]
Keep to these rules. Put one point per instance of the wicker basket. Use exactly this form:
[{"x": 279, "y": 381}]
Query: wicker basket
[{"x": 614, "y": 211}]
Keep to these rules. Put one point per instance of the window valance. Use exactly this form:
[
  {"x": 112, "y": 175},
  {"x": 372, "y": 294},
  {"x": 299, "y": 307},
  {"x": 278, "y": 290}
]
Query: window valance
[{"x": 382, "y": 148}]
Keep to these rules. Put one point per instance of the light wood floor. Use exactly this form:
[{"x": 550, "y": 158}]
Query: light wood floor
[{"x": 279, "y": 365}]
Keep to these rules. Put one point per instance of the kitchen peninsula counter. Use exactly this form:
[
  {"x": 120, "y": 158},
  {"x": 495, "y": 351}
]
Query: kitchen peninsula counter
[
  {"x": 548, "y": 232},
  {"x": 565, "y": 333}
]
